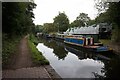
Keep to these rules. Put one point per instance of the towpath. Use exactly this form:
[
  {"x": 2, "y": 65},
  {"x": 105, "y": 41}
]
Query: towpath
[{"x": 21, "y": 65}]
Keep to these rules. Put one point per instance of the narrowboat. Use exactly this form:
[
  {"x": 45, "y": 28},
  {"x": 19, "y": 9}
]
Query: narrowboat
[{"x": 87, "y": 43}]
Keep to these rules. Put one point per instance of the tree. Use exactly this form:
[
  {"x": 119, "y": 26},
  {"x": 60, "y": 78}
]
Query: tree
[
  {"x": 77, "y": 23},
  {"x": 112, "y": 15},
  {"x": 49, "y": 28},
  {"x": 17, "y": 17},
  {"x": 84, "y": 18},
  {"x": 81, "y": 20},
  {"x": 38, "y": 28},
  {"x": 91, "y": 22},
  {"x": 61, "y": 22},
  {"x": 101, "y": 6},
  {"x": 103, "y": 17}
]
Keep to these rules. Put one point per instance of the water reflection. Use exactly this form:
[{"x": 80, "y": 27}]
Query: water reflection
[
  {"x": 70, "y": 62},
  {"x": 59, "y": 50},
  {"x": 112, "y": 68}
]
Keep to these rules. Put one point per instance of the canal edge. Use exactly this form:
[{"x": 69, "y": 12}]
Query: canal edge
[{"x": 52, "y": 73}]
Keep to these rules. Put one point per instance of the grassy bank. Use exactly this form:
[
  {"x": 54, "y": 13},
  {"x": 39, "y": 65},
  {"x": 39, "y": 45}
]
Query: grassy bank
[
  {"x": 33, "y": 39},
  {"x": 114, "y": 46},
  {"x": 37, "y": 56},
  {"x": 105, "y": 41}
]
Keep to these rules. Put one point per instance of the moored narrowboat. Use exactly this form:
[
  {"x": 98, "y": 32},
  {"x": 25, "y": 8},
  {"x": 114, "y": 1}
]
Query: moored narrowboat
[{"x": 87, "y": 43}]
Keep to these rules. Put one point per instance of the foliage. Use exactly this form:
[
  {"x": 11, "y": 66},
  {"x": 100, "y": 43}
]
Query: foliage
[
  {"x": 101, "y": 6},
  {"x": 84, "y": 18},
  {"x": 17, "y": 17},
  {"x": 8, "y": 48},
  {"x": 38, "y": 28},
  {"x": 91, "y": 22},
  {"x": 49, "y": 27},
  {"x": 114, "y": 13},
  {"x": 61, "y": 21},
  {"x": 116, "y": 34},
  {"x": 37, "y": 56},
  {"x": 77, "y": 23},
  {"x": 111, "y": 15},
  {"x": 81, "y": 20},
  {"x": 103, "y": 17}
]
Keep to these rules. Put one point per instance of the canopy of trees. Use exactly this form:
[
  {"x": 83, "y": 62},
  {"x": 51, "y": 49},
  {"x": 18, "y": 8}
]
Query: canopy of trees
[
  {"x": 114, "y": 13},
  {"x": 103, "y": 17},
  {"x": 77, "y": 23},
  {"x": 17, "y": 17},
  {"x": 49, "y": 28},
  {"x": 61, "y": 22},
  {"x": 111, "y": 15},
  {"x": 84, "y": 18},
  {"x": 81, "y": 20},
  {"x": 38, "y": 28}
]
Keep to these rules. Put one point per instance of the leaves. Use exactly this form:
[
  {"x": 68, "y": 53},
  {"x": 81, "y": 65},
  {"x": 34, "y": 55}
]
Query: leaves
[
  {"x": 111, "y": 15},
  {"x": 61, "y": 22},
  {"x": 17, "y": 17},
  {"x": 49, "y": 27},
  {"x": 81, "y": 20}
]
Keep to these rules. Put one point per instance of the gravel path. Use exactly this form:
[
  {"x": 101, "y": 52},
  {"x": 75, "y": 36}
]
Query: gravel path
[
  {"x": 22, "y": 65},
  {"x": 23, "y": 59}
]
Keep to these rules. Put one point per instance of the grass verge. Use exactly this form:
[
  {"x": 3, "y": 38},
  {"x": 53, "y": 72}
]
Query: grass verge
[
  {"x": 37, "y": 56},
  {"x": 33, "y": 39},
  {"x": 105, "y": 41}
]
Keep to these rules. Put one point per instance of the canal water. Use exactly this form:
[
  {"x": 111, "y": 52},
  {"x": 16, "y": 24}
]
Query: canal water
[{"x": 70, "y": 62}]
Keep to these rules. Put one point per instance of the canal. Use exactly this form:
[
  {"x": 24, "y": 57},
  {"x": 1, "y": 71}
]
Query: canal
[{"x": 70, "y": 62}]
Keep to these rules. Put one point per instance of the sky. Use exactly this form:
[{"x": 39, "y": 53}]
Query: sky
[{"x": 46, "y": 10}]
